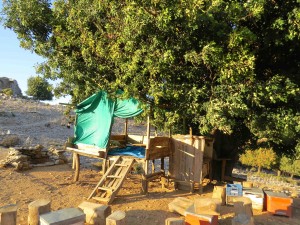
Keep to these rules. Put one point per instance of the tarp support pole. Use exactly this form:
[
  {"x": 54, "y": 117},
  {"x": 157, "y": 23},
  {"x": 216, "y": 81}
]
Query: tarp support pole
[{"x": 126, "y": 129}]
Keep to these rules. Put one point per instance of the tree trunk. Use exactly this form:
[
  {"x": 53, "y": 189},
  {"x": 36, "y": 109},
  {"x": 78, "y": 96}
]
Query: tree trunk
[
  {"x": 278, "y": 173},
  {"x": 259, "y": 169}
]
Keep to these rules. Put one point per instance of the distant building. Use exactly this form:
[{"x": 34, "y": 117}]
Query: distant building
[{"x": 6, "y": 82}]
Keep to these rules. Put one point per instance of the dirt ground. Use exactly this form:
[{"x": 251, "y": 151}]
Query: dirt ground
[
  {"x": 37, "y": 123},
  {"x": 56, "y": 183}
]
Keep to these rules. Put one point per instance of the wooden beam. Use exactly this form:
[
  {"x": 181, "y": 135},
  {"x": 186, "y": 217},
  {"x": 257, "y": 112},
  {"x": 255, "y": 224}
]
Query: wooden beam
[
  {"x": 77, "y": 166},
  {"x": 126, "y": 129}
]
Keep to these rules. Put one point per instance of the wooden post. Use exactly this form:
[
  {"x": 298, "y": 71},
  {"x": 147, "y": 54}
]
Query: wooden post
[
  {"x": 116, "y": 218},
  {"x": 223, "y": 169},
  {"x": 148, "y": 130},
  {"x": 37, "y": 208},
  {"x": 77, "y": 166},
  {"x": 73, "y": 161},
  {"x": 8, "y": 215},
  {"x": 191, "y": 132},
  {"x": 153, "y": 166},
  {"x": 144, "y": 179},
  {"x": 126, "y": 129},
  {"x": 162, "y": 164}
]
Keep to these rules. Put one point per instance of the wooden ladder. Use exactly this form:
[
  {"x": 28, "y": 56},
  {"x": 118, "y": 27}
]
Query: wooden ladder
[{"x": 111, "y": 182}]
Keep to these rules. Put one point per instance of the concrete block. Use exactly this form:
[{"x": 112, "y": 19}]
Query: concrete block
[
  {"x": 174, "y": 221},
  {"x": 219, "y": 192},
  {"x": 243, "y": 205},
  {"x": 180, "y": 205},
  {"x": 208, "y": 206},
  {"x": 296, "y": 208},
  {"x": 37, "y": 208},
  {"x": 242, "y": 219},
  {"x": 95, "y": 213},
  {"x": 247, "y": 184},
  {"x": 193, "y": 218},
  {"x": 69, "y": 216},
  {"x": 8, "y": 214},
  {"x": 116, "y": 218}
]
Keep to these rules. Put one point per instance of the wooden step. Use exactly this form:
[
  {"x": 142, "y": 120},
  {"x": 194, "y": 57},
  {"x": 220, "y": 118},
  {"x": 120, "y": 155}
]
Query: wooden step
[
  {"x": 99, "y": 199},
  {"x": 123, "y": 165},
  {"x": 108, "y": 189},
  {"x": 113, "y": 176}
]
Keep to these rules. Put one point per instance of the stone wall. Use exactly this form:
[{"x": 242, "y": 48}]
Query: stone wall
[
  {"x": 10, "y": 83},
  {"x": 23, "y": 158}
]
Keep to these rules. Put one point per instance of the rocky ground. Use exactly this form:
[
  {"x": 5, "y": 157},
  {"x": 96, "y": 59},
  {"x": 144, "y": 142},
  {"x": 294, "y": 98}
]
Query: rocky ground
[{"x": 37, "y": 123}]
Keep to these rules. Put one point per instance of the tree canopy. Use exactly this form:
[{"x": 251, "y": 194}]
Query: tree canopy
[
  {"x": 221, "y": 65},
  {"x": 39, "y": 88}
]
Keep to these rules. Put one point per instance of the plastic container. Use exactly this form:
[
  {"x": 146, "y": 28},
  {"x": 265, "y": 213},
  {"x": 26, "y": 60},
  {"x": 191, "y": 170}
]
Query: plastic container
[
  {"x": 257, "y": 197},
  {"x": 234, "y": 190},
  {"x": 278, "y": 203}
]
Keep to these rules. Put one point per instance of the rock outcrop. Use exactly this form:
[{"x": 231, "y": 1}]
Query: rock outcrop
[{"x": 6, "y": 82}]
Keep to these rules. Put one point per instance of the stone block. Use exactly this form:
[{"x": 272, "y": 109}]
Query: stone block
[
  {"x": 95, "y": 213},
  {"x": 180, "y": 205},
  {"x": 8, "y": 214},
  {"x": 219, "y": 192},
  {"x": 116, "y": 218},
  {"x": 37, "y": 208},
  {"x": 208, "y": 206},
  {"x": 242, "y": 219},
  {"x": 243, "y": 205},
  {"x": 174, "y": 221},
  {"x": 68, "y": 216}
]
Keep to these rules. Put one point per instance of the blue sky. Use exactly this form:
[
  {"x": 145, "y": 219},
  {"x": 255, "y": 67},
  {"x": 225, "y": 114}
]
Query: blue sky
[{"x": 16, "y": 62}]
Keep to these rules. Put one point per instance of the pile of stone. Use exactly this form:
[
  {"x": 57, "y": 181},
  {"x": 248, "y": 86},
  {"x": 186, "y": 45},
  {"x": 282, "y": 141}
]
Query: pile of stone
[
  {"x": 39, "y": 213},
  {"x": 24, "y": 157}
]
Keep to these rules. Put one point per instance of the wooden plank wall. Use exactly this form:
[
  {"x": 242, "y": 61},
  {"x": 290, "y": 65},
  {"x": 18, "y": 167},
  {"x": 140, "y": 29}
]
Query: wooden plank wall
[
  {"x": 187, "y": 155},
  {"x": 159, "y": 147}
]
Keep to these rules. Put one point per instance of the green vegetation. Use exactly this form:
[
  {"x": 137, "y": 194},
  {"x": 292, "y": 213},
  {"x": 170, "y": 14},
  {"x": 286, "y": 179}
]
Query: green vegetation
[
  {"x": 39, "y": 88},
  {"x": 260, "y": 158},
  {"x": 213, "y": 65},
  {"x": 7, "y": 91},
  {"x": 291, "y": 166}
]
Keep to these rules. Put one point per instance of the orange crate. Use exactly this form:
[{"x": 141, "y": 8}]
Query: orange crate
[
  {"x": 278, "y": 203},
  {"x": 194, "y": 219}
]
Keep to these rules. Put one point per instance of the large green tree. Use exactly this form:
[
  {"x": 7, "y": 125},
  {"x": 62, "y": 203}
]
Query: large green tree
[
  {"x": 229, "y": 66},
  {"x": 39, "y": 88}
]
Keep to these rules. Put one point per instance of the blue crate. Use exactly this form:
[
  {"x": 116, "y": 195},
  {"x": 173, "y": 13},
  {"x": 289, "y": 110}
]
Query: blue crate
[{"x": 234, "y": 190}]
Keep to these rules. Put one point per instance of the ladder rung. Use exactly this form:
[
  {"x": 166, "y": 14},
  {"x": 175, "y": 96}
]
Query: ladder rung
[
  {"x": 121, "y": 165},
  {"x": 105, "y": 189},
  {"x": 114, "y": 176},
  {"x": 101, "y": 199}
]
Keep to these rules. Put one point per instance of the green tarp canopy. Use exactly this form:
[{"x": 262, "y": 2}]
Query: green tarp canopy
[{"x": 95, "y": 116}]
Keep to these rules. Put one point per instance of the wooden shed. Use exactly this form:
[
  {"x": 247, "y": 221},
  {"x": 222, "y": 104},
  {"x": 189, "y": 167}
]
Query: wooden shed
[{"x": 190, "y": 160}]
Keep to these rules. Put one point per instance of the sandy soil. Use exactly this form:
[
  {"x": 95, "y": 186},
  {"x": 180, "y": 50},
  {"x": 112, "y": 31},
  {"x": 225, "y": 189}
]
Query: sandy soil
[{"x": 56, "y": 182}]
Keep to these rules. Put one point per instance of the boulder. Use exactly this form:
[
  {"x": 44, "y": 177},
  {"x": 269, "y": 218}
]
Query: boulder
[{"x": 6, "y": 82}]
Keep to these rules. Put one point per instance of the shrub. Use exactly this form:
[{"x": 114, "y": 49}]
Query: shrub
[
  {"x": 262, "y": 157},
  {"x": 10, "y": 141},
  {"x": 39, "y": 88},
  {"x": 7, "y": 91},
  {"x": 290, "y": 166}
]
